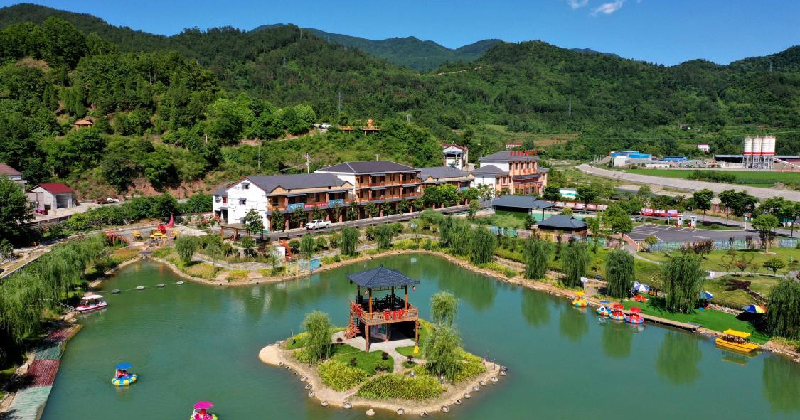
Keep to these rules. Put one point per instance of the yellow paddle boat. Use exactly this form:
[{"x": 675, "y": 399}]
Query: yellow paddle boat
[
  {"x": 737, "y": 341},
  {"x": 579, "y": 301}
]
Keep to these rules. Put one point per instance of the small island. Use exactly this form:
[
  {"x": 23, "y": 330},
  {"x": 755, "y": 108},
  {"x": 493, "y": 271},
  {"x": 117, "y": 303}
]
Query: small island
[{"x": 387, "y": 357}]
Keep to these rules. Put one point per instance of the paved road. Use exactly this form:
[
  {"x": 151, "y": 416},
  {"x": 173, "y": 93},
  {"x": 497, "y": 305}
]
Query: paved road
[
  {"x": 685, "y": 234},
  {"x": 760, "y": 193}
]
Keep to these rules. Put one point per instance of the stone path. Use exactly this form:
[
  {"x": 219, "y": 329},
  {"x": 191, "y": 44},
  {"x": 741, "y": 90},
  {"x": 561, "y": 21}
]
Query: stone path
[{"x": 387, "y": 346}]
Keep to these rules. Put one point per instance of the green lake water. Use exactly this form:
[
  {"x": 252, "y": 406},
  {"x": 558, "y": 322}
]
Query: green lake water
[{"x": 195, "y": 342}]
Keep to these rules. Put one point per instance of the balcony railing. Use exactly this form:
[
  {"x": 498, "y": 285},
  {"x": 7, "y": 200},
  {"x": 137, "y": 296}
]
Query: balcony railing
[{"x": 396, "y": 315}]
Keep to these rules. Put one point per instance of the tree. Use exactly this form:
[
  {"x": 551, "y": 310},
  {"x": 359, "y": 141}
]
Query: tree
[
  {"x": 14, "y": 211},
  {"x": 186, "y": 246},
  {"x": 444, "y": 307},
  {"x": 566, "y": 211},
  {"x": 317, "y": 326},
  {"x": 352, "y": 211},
  {"x": 277, "y": 221},
  {"x": 765, "y": 225},
  {"x": 299, "y": 216},
  {"x": 682, "y": 281},
  {"x": 618, "y": 219},
  {"x": 442, "y": 351},
  {"x": 350, "y": 241},
  {"x": 307, "y": 246},
  {"x": 481, "y": 246},
  {"x": 537, "y": 257},
  {"x": 383, "y": 236},
  {"x": 253, "y": 222},
  {"x": 644, "y": 193},
  {"x": 6, "y": 250},
  {"x": 372, "y": 209},
  {"x": 248, "y": 244},
  {"x": 783, "y": 317},
  {"x": 619, "y": 273},
  {"x": 774, "y": 264},
  {"x": 474, "y": 206},
  {"x": 551, "y": 193},
  {"x": 587, "y": 193},
  {"x": 701, "y": 200},
  {"x": 727, "y": 199},
  {"x": 574, "y": 259},
  {"x": 322, "y": 243}
]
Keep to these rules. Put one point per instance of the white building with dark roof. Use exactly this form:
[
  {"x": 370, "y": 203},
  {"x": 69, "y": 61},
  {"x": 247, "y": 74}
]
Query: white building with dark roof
[{"x": 513, "y": 172}]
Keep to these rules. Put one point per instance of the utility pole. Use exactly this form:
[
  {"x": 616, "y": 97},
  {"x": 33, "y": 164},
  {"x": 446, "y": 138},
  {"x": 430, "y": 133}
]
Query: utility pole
[
  {"x": 259, "y": 154},
  {"x": 339, "y": 107},
  {"x": 770, "y": 66},
  {"x": 377, "y": 156},
  {"x": 570, "y": 108},
  {"x": 408, "y": 118},
  {"x": 308, "y": 163}
]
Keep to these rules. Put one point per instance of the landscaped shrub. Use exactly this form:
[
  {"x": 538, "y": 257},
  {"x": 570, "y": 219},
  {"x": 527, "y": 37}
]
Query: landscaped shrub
[
  {"x": 204, "y": 271},
  {"x": 420, "y": 387},
  {"x": 238, "y": 275},
  {"x": 340, "y": 376},
  {"x": 497, "y": 267}
]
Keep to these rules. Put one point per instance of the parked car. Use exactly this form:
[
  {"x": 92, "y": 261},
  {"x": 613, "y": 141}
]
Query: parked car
[{"x": 318, "y": 224}]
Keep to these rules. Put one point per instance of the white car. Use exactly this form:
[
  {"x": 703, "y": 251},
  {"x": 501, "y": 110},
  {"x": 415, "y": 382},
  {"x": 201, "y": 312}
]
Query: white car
[{"x": 318, "y": 224}]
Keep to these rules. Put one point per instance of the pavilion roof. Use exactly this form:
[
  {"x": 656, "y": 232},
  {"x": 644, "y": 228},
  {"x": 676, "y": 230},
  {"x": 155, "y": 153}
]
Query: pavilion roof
[{"x": 381, "y": 277}]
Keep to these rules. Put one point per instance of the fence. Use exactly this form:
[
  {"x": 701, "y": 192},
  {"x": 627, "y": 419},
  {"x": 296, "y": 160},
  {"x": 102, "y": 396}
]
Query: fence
[
  {"x": 307, "y": 265},
  {"x": 726, "y": 245},
  {"x": 503, "y": 231}
]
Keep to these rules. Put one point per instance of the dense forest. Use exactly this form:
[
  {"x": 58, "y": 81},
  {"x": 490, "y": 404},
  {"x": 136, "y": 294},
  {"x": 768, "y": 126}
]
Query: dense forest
[{"x": 173, "y": 110}]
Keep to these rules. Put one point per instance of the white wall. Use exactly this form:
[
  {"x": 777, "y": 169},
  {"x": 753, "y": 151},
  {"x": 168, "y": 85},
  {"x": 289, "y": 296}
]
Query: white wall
[
  {"x": 489, "y": 180},
  {"x": 344, "y": 177},
  {"x": 254, "y": 198}
]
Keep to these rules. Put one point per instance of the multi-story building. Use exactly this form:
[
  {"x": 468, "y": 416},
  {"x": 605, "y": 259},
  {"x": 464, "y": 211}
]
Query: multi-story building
[
  {"x": 512, "y": 172},
  {"x": 314, "y": 194},
  {"x": 379, "y": 182},
  {"x": 455, "y": 156},
  {"x": 440, "y": 175}
]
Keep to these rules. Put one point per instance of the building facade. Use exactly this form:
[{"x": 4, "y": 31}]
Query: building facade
[
  {"x": 12, "y": 174},
  {"x": 511, "y": 172},
  {"x": 52, "y": 196},
  {"x": 456, "y": 156}
]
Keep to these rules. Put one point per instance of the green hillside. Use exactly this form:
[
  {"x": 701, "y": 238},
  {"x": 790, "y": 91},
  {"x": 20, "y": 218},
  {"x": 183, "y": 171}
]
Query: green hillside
[{"x": 171, "y": 111}]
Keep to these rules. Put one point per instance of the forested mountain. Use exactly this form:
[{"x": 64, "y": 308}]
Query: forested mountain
[{"x": 172, "y": 109}]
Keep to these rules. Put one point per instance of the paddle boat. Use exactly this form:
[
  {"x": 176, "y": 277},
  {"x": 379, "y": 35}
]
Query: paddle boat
[
  {"x": 603, "y": 309},
  {"x": 91, "y": 303},
  {"x": 122, "y": 377},
  {"x": 754, "y": 309},
  {"x": 634, "y": 317},
  {"x": 579, "y": 302},
  {"x": 616, "y": 312},
  {"x": 736, "y": 340},
  {"x": 200, "y": 411}
]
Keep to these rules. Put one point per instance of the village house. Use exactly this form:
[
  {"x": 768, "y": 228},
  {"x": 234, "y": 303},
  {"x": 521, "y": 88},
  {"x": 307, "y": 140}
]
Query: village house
[
  {"x": 12, "y": 174},
  {"x": 456, "y": 156},
  {"x": 52, "y": 196},
  {"x": 83, "y": 123},
  {"x": 440, "y": 175},
  {"x": 511, "y": 172}
]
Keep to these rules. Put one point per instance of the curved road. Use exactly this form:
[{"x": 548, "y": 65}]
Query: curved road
[{"x": 760, "y": 193}]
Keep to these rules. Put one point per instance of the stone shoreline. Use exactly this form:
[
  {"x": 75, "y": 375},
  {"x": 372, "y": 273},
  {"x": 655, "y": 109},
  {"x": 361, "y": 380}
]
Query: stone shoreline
[{"x": 453, "y": 396}]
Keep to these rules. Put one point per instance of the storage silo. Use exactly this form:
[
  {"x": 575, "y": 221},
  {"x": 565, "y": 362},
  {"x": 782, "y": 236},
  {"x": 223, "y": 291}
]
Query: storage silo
[
  {"x": 768, "y": 146},
  {"x": 748, "y": 146},
  {"x": 757, "y": 144}
]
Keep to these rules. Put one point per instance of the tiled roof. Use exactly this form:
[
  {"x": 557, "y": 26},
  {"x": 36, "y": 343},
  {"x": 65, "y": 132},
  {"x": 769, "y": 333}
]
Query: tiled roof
[
  {"x": 438, "y": 172},
  {"x": 381, "y": 277},
  {"x": 367, "y": 167},
  {"x": 55, "y": 188},
  {"x": 509, "y": 156},
  {"x": 562, "y": 221},
  {"x": 297, "y": 181},
  {"x": 7, "y": 170},
  {"x": 522, "y": 201},
  {"x": 489, "y": 170}
]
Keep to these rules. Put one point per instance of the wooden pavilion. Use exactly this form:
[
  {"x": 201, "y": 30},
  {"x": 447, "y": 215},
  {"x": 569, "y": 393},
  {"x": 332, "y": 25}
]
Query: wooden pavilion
[{"x": 378, "y": 316}]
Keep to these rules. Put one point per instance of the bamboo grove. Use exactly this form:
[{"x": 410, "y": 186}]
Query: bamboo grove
[{"x": 26, "y": 296}]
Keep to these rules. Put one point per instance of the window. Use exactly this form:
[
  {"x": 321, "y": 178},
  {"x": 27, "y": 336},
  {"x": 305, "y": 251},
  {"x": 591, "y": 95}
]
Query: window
[
  {"x": 245, "y": 185},
  {"x": 242, "y": 201}
]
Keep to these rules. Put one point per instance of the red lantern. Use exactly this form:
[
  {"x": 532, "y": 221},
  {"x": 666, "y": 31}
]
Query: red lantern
[
  {"x": 413, "y": 288},
  {"x": 366, "y": 292}
]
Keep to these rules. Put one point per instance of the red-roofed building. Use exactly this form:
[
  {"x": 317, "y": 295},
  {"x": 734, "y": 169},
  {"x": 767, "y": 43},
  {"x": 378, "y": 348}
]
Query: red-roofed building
[{"x": 53, "y": 195}]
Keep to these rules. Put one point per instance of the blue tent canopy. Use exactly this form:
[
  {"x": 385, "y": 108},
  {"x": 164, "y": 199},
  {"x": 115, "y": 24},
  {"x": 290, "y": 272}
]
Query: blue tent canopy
[{"x": 124, "y": 366}]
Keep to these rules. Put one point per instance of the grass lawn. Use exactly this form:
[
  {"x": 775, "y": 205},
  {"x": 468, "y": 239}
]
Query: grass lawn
[
  {"x": 713, "y": 320},
  {"x": 5, "y": 376},
  {"x": 718, "y": 260},
  {"x": 752, "y": 178},
  {"x": 367, "y": 362},
  {"x": 409, "y": 351},
  {"x": 725, "y": 294}
]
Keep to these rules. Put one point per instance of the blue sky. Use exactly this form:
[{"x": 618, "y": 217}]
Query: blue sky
[{"x": 660, "y": 31}]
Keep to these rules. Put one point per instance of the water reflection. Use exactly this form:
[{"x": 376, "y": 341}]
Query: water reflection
[
  {"x": 535, "y": 308},
  {"x": 616, "y": 339},
  {"x": 678, "y": 358},
  {"x": 781, "y": 380},
  {"x": 572, "y": 324}
]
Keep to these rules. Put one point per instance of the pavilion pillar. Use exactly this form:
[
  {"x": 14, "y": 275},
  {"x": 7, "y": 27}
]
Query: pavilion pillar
[
  {"x": 406, "y": 304},
  {"x": 370, "y": 301},
  {"x": 366, "y": 332}
]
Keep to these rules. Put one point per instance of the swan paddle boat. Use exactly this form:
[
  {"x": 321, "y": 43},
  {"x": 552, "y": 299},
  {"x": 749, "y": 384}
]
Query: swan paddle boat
[
  {"x": 616, "y": 312},
  {"x": 736, "y": 340},
  {"x": 122, "y": 377},
  {"x": 91, "y": 303},
  {"x": 634, "y": 317},
  {"x": 579, "y": 302},
  {"x": 603, "y": 309},
  {"x": 200, "y": 411}
]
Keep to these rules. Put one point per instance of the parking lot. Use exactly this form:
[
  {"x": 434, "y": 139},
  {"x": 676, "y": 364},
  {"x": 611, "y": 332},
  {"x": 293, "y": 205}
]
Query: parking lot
[{"x": 684, "y": 234}]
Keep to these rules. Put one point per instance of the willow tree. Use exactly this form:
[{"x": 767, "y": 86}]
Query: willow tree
[
  {"x": 537, "y": 256},
  {"x": 574, "y": 260},
  {"x": 307, "y": 246},
  {"x": 317, "y": 327},
  {"x": 783, "y": 317},
  {"x": 444, "y": 307},
  {"x": 186, "y": 246},
  {"x": 349, "y": 241},
  {"x": 481, "y": 246},
  {"x": 383, "y": 236},
  {"x": 442, "y": 351},
  {"x": 682, "y": 280},
  {"x": 619, "y": 273}
]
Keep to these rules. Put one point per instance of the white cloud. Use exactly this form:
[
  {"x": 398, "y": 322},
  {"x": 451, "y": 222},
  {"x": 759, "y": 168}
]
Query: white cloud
[
  {"x": 577, "y": 4},
  {"x": 608, "y": 8}
]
